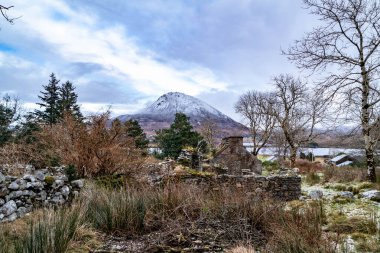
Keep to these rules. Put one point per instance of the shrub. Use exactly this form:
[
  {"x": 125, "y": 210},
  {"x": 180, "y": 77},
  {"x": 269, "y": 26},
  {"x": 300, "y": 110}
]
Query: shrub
[
  {"x": 111, "y": 181},
  {"x": 71, "y": 172},
  {"x": 93, "y": 148},
  {"x": 271, "y": 166},
  {"x": 306, "y": 166}
]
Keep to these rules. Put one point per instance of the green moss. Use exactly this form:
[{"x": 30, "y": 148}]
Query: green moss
[{"x": 49, "y": 180}]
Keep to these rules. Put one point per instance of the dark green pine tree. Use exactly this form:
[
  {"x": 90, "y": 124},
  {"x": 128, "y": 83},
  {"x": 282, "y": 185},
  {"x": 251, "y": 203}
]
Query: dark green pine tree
[
  {"x": 49, "y": 112},
  {"x": 134, "y": 130},
  {"x": 67, "y": 102},
  {"x": 179, "y": 135}
]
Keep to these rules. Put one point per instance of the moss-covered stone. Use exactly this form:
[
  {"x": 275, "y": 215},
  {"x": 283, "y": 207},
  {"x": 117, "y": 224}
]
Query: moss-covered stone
[{"x": 49, "y": 180}]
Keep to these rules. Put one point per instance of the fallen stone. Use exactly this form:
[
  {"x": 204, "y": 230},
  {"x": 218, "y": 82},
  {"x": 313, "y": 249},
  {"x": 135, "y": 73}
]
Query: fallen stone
[
  {"x": 346, "y": 194},
  {"x": 77, "y": 183},
  {"x": 371, "y": 195},
  {"x": 65, "y": 190},
  {"x": 316, "y": 194}
]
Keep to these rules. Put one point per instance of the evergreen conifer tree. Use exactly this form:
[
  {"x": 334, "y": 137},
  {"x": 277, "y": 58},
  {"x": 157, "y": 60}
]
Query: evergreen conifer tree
[
  {"x": 179, "y": 135},
  {"x": 49, "y": 112},
  {"x": 67, "y": 102},
  {"x": 134, "y": 130}
]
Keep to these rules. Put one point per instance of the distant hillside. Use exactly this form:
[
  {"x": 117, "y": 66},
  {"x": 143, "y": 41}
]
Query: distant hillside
[{"x": 161, "y": 114}]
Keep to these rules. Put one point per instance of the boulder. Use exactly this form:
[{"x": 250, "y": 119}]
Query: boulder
[
  {"x": 316, "y": 194},
  {"x": 21, "y": 211},
  {"x": 346, "y": 194},
  {"x": 13, "y": 186},
  {"x": 14, "y": 195},
  {"x": 8, "y": 208},
  {"x": 2, "y": 202},
  {"x": 77, "y": 183},
  {"x": 58, "y": 183},
  {"x": 10, "y": 218},
  {"x": 29, "y": 178},
  {"x": 65, "y": 190},
  {"x": 40, "y": 175},
  {"x": 371, "y": 195}
]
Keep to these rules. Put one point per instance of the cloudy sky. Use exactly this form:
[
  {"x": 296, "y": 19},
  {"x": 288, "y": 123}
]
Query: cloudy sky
[{"x": 128, "y": 53}]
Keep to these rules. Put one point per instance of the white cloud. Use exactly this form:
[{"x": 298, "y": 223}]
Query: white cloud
[{"x": 77, "y": 37}]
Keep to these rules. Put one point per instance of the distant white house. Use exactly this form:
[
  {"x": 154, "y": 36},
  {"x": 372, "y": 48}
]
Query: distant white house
[{"x": 342, "y": 160}]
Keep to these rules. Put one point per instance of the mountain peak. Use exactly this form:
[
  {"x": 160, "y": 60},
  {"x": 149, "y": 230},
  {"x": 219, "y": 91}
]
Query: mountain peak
[
  {"x": 173, "y": 102},
  {"x": 161, "y": 114}
]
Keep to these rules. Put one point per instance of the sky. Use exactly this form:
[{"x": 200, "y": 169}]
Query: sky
[{"x": 125, "y": 54}]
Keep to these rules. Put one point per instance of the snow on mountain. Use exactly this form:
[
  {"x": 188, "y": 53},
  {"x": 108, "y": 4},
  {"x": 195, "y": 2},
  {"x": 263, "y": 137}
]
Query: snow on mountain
[
  {"x": 161, "y": 114},
  {"x": 173, "y": 102}
]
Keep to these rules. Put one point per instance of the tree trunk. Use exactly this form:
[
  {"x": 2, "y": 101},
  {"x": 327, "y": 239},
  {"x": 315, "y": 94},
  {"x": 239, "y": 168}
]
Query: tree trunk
[
  {"x": 371, "y": 169},
  {"x": 366, "y": 128},
  {"x": 293, "y": 156}
]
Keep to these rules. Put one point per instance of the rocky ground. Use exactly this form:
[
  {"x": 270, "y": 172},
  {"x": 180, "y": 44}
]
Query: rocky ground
[{"x": 352, "y": 210}]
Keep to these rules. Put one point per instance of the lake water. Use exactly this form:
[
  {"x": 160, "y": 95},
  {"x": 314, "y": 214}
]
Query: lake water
[{"x": 315, "y": 151}]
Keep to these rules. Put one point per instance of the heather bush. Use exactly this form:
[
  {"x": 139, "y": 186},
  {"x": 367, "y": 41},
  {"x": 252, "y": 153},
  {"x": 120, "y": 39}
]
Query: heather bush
[{"x": 93, "y": 148}]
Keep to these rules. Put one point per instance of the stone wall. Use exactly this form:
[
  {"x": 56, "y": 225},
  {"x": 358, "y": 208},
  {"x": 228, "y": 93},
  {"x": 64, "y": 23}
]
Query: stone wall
[
  {"x": 281, "y": 187},
  {"x": 19, "y": 195},
  {"x": 235, "y": 159}
]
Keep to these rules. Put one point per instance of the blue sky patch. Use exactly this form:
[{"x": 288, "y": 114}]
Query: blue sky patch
[{"x": 7, "y": 48}]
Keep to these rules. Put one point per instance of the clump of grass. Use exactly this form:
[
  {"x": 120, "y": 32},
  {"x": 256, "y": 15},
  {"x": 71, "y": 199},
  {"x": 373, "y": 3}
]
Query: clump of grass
[
  {"x": 111, "y": 210},
  {"x": 180, "y": 209},
  {"x": 347, "y": 225},
  {"x": 312, "y": 178},
  {"x": 242, "y": 249},
  {"x": 344, "y": 174},
  {"x": 51, "y": 232}
]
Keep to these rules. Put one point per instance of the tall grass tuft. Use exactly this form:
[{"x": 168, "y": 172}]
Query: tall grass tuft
[{"x": 51, "y": 232}]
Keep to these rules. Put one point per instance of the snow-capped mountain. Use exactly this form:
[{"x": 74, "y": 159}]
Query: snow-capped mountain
[{"x": 161, "y": 114}]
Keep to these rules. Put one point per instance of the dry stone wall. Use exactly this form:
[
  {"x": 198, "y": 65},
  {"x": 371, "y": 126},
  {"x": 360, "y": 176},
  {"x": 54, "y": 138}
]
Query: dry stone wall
[
  {"x": 19, "y": 195},
  {"x": 281, "y": 187}
]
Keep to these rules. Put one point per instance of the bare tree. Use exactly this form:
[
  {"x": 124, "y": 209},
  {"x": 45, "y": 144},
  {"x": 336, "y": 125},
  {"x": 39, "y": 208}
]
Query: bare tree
[
  {"x": 256, "y": 108},
  {"x": 347, "y": 43},
  {"x": 296, "y": 111},
  {"x": 3, "y": 11},
  {"x": 209, "y": 131}
]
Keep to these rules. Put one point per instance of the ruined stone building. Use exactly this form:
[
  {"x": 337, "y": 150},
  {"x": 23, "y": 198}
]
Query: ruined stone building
[{"x": 235, "y": 159}]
